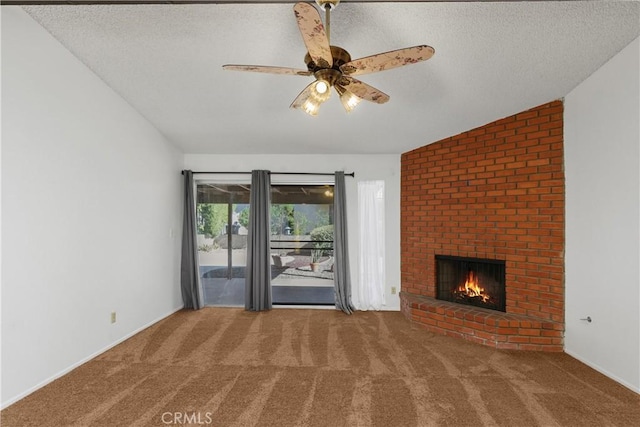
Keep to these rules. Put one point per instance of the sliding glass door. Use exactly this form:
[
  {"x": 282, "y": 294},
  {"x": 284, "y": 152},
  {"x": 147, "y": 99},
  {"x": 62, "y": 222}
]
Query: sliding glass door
[
  {"x": 302, "y": 244},
  {"x": 222, "y": 216}
]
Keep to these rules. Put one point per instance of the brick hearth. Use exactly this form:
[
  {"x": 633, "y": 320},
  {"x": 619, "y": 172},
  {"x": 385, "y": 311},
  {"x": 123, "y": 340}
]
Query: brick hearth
[
  {"x": 482, "y": 326},
  {"x": 495, "y": 192}
]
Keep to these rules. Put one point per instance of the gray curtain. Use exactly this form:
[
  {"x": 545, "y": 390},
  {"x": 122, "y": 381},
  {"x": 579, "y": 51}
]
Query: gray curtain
[
  {"x": 258, "y": 285},
  {"x": 342, "y": 276},
  {"x": 189, "y": 274}
]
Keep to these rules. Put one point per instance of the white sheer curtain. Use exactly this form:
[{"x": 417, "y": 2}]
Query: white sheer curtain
[{"x": 369, "y": 293}]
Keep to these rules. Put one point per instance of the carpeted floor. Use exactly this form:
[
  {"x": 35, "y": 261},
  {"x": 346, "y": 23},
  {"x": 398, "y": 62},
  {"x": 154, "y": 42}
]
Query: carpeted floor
[{"x": 290, "y": 367}]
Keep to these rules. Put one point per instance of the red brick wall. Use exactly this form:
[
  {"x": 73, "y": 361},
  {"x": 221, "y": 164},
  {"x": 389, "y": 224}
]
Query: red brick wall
[{"x": 493, "y": 192}]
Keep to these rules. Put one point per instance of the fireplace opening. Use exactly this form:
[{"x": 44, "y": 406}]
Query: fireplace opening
[{"x": 471, "y": 281}]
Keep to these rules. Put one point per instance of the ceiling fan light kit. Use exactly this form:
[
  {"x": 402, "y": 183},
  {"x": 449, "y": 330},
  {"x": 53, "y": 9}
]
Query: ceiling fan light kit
[
  {"x": 332, "y": 65},
  {"x": 349, "y": 101}
]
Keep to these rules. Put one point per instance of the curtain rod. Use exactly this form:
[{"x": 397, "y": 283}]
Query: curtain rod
[{"x": 352, "y": 174}]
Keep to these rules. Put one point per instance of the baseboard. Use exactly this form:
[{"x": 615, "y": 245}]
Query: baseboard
[
  {"x": 604, "y": 372},
  {"x": 387, "y": 308},
  {"x": 84, "y": 360}
]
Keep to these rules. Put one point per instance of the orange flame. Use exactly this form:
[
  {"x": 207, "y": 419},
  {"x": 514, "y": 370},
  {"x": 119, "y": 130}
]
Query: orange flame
[{"x": 471, "y": 287}]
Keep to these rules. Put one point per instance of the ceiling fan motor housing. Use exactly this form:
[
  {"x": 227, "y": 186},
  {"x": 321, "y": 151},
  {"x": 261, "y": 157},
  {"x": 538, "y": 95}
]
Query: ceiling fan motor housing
[{"x": 340, "y": 56}]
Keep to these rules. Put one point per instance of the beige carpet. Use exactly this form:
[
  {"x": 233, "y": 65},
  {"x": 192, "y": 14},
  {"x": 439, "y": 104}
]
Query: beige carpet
[{"x": 290, "y": 367}]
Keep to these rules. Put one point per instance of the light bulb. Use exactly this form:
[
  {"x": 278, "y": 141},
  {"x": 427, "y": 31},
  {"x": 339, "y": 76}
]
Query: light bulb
[
  {"x": 322, "y": 87},
  {"x": 320, "y": 91}
]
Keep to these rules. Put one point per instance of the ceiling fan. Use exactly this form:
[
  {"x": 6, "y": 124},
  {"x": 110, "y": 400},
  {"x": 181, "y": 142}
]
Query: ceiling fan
[{"x": 332, "y": 65}]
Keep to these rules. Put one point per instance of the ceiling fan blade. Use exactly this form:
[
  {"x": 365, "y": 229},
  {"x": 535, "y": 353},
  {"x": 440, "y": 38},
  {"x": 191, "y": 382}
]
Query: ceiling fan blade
[
  {"x": 313, "y": 34},
  {"x": 267, "y": 69},
  {"x": 363, "y": 90},
  {"x": 387, "y": 60}
]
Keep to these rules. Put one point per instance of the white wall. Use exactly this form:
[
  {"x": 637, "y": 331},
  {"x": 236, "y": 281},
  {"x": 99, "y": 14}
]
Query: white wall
[
  {"x": 602, "y": 159},
  {"x": 366, "y": 167},
  {"x": 91, "y": 210}
]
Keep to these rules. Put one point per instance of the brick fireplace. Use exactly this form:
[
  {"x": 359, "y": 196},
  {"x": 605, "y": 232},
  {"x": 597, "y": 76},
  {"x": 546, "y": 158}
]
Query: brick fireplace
[{"x": 497, "y": 193}]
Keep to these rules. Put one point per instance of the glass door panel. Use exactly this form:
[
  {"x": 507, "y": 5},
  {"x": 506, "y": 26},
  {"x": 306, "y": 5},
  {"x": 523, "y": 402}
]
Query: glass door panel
[
  {"x": 222, "y": 216},
  {"x": 302, "y": 244}
]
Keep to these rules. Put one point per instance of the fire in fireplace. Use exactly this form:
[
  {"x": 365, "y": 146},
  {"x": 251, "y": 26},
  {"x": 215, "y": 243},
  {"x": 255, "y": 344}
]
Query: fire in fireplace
[{"x": 471, "y": 281}]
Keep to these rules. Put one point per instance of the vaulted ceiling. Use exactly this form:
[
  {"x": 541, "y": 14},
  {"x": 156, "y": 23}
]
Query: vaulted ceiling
[{"x": 492, "y": 59}]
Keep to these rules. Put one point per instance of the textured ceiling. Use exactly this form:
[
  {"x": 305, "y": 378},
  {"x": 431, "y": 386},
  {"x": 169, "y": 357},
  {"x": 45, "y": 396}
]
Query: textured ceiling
[{"x": 492, "y": 59}]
